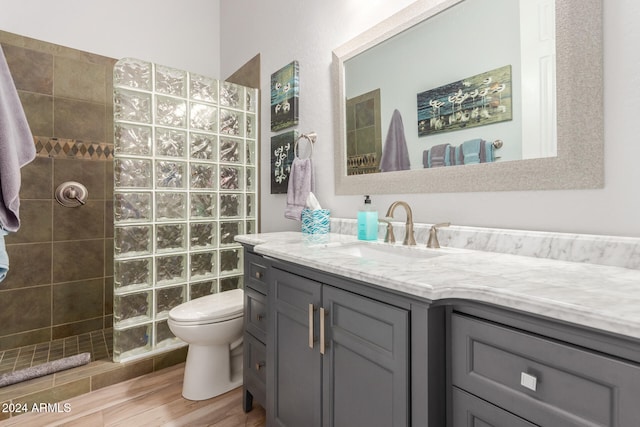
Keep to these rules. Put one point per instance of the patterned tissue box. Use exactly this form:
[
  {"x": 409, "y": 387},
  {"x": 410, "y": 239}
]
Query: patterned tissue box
[{"x": 315, "y": 221}]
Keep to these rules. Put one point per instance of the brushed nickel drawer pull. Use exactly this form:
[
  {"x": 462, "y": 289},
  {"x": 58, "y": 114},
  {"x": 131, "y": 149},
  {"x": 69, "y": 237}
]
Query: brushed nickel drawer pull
[
  {"x": 528, "y": 381},
  {"x": 322, "y": 344},
  {"x": 259, "y": 365},
  {"x": 259, "y": 317},
  {"x": 311, "y": 310},
  {"x": 259, "y": 275}
]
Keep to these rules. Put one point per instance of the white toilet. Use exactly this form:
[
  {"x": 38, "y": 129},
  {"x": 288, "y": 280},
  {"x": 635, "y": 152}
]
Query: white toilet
[{"x": 212, "y": 326}]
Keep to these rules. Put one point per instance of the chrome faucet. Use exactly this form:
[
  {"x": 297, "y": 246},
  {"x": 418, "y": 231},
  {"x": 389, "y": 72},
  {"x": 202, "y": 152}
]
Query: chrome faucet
[
  {"x": 409, "y": 238},
  {"x": 432, "y": 242}
]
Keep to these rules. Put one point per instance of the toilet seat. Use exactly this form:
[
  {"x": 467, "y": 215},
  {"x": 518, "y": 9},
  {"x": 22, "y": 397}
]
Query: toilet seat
[{"x": 214, "y": 308}]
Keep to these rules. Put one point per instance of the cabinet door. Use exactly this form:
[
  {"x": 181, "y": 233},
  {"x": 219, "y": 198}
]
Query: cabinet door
[
  {"x": 294, "y": 376},
  {"x": 469, "y": 411},
  {"x": 365, "y": 365}
]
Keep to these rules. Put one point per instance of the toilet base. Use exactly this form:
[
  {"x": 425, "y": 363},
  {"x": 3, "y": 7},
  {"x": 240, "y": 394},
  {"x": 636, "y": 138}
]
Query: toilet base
[{"x": 210, "y": 371}]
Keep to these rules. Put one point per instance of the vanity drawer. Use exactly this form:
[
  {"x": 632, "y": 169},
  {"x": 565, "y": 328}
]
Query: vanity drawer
[
  {"x": 256, "y": 272},
  {"x": 254, "y": 370},
  {"x": 469, "y": 411},
  {"x": 546, "y": 382},
  {"x": 255, "y": 314}
]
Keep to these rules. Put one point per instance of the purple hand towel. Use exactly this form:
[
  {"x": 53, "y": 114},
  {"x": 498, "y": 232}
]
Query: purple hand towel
[
  {"x": 16, "y": 148},
  {"x": 301, "y": 183},
  {"x": 395, "y": 156}
]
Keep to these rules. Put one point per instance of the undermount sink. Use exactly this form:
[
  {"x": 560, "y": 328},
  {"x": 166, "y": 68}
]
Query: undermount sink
[{"x": 390, "y": 253}]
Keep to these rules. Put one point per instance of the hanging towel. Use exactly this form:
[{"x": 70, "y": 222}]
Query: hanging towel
[
  {"x": 439, "y": 156},
  {"x": 486, "y": 152},
  {"x": 301, "y": 183},
  {"x": 4, "y": 257},
  {"x": 471, "y": 151},
  {"x": 395, "y": 155},
  {"x": 16, "y": 148},
  {"x": 425, "y": 158}
]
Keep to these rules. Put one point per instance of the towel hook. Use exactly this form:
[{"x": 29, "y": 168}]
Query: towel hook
[
  {"x": 311, "y": 137},
  {"x": 497, "y": 143}
]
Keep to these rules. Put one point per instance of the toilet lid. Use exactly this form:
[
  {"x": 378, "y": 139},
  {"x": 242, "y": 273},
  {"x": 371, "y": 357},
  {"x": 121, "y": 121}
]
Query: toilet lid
[{"x": 211, "y": 308}]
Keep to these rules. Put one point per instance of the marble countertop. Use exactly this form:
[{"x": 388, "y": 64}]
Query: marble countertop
[{"x": 597, "y": 296}]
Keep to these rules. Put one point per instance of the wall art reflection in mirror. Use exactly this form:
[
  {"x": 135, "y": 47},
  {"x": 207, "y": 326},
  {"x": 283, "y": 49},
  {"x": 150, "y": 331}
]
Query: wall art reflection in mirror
[{"x": 479, "y": 100}]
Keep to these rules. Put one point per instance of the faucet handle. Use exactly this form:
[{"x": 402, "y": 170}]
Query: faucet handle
[
  {"x": 432, "y": 242},
  {"x": 389, "y": 237}
]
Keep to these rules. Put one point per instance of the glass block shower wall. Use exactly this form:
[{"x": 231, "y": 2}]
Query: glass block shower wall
[{"x": 185, "y": 185}]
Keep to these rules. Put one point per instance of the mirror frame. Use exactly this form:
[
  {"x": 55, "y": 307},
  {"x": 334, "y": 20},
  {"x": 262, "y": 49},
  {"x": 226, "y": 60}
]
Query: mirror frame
[{"x": 579, "y": 163}]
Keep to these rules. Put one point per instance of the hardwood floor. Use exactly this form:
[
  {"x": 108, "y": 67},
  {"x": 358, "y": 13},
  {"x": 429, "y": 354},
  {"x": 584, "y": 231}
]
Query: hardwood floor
[{"x": 150, "y": 400}]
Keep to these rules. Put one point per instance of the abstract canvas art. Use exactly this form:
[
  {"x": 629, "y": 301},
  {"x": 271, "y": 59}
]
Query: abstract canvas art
[
  {"x": 479, "y": 100},
  {"x": 285, "y": 90},
  {"x": 282, "y": 153}
]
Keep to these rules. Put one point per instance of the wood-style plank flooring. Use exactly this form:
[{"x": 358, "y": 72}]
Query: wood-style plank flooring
[{"x": 150, "y": 400}]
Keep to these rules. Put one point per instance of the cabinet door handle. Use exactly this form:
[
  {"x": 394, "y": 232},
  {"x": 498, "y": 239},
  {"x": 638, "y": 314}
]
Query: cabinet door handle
[
  {"x": 259, "y": 365},
  {"x": 311, "y": 310},
  {"x": 528, "y": 381},
  {"x": 259, "y": 317},
  {"x": 258, "y": 275},
  {"x": 322, "y": 344}
]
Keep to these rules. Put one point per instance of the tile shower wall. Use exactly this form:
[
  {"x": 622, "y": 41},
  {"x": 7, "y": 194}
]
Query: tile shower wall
[
  {"x": 60, "y": 282},
  {"x": 185, "y": 186}
]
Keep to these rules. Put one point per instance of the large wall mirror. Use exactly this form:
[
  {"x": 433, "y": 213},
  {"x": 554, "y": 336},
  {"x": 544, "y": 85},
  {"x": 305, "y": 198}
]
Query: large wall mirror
[{"x": 472, "y": 95}]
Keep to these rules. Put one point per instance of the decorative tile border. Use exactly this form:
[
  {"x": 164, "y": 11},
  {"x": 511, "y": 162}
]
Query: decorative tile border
[{"x": 72, "y": 148}]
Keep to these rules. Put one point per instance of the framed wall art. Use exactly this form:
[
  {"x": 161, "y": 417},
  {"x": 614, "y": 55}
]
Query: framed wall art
[
  {"x": 285, "y": 88},
  {"x": 282, "y": 154},
  {"x": 479, "y": 100}
]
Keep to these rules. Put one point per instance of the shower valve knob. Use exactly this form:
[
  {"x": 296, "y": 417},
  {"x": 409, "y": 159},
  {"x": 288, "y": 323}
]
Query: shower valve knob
[{"x": 71, "y": 194}]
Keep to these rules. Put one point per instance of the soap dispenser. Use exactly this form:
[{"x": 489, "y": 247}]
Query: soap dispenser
[{"x": 367, "y": 221}]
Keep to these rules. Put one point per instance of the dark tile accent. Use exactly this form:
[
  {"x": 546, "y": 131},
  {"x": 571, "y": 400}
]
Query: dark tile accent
[
  {"x": 108, "y": 218},
  {"x": 76, "y": 301},
  {"x": 78, "y": 260},
  {"x": 82, "y": 120},
  {"x": 82, "y": 222},
  {"x": 108, "y": 321},
  {"x": 77, "y": 328},
  {"x": 25, "y": 338},
  {"x": 39, "y": 111},
  {"x": 30, "y": 265},
  {"x": 35, "y": 222},
  {"x": 108, "y": 180},
  {"x": 89, "y": 173},
  {"x": 32, "y": 71},
  {"x": 25, "y": 309},
  {"x": 108, "y": 296},
  {"x": 36, "y": 179},
  {"x": 171, "y": 358},
  {"x": 80, "y": 80},
  {"x": 132, "y": 370}
]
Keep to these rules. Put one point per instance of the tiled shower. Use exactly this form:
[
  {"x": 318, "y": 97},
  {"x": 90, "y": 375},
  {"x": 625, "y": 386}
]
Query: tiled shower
[
  {"x": 60, "y": 284},
  {"x": 185, "y": 186}
]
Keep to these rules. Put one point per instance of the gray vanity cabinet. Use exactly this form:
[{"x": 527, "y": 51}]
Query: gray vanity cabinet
[
  {"x": 336, "y": 358},
  {"x": 503, "y": 375},
  {"x": 255, "y": 331}
]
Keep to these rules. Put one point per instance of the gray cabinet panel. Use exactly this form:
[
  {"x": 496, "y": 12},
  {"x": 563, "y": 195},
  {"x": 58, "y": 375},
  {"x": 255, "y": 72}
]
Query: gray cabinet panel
[
  {"x": 366, "y": 362},
  {"x": 473, "y": 412},
  {"x": 255, "y": 314},
  {"x": 254, "y": 369},
  {"x": 573, "y": 387},
  {"x": 294, "y": 397}
]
